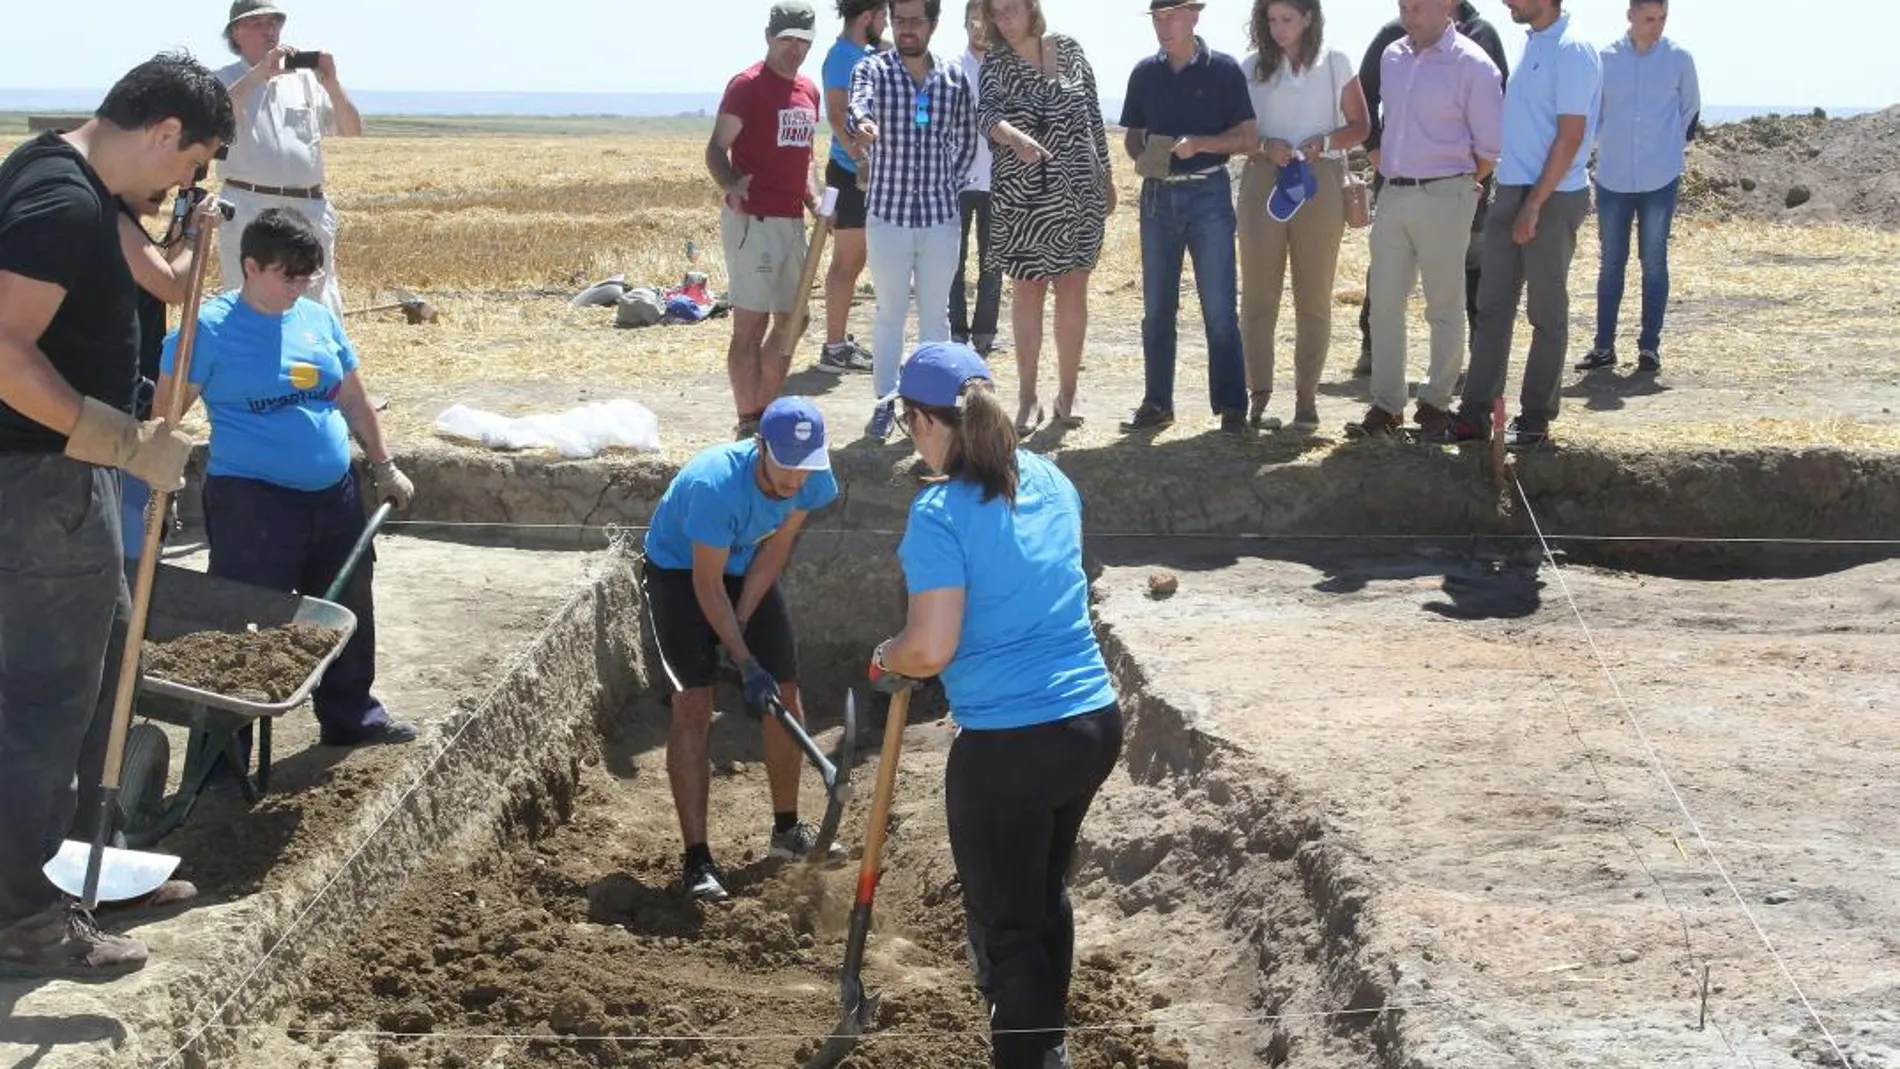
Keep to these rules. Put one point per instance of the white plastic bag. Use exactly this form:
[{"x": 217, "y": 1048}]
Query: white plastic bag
[{"x": 577, "y": 433}]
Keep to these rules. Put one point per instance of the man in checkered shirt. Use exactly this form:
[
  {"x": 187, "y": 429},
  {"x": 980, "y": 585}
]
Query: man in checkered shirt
[{"x": 918, "y": 114}]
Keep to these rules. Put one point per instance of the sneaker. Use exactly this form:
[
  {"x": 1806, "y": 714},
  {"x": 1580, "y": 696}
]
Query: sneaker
[
  {"x": 1649, "y": 361},
  {"x": 391, "y": 733},
  {"x": 1431, "y": 421},
  {"x": 1305, "y": 419},
  {"x": 984, "y": 344},
  {"x": 883, "y": 418},
  {"x": 1233, "y": 422},
  {"x": 1525, "y": 432},
  {"x": 704, "y": 882},
  {"x": 1597, "y": 359},
  {"x": 1377, "y": 423},
  {"x": 796, "y": 842},
  {"x": 1149, "y": 418},
  {"x": 1465, "y": 427},
  {"x": 65, "y": 942},
  {"x": 845, "y": 356}
]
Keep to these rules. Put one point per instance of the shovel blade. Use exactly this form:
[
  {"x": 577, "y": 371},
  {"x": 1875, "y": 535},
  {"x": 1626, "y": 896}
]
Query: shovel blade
[
  {"x": 843, "y": 1040},
  {"x": 123, "y": 874}
]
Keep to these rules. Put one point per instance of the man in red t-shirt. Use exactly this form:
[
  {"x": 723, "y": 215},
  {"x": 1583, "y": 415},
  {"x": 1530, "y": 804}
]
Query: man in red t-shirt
[{"x": 760, "y": 155}]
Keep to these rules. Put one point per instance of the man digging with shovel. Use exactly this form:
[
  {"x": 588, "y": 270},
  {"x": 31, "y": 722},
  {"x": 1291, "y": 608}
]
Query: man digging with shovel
[
  {"x": 69, "y": 368},
  {"x": 719, "y": 539}
]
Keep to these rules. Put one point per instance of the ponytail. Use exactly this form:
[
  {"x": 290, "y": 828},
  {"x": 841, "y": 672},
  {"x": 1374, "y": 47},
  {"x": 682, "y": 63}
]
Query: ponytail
[{"x": 982, "y": 441}]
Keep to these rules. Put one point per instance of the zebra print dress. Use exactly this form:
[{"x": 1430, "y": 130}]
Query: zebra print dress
[{"x": 1047, "y": 217}]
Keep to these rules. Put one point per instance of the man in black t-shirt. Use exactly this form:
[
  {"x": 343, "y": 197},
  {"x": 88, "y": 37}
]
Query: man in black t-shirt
[{"x": 69, "y": 341}]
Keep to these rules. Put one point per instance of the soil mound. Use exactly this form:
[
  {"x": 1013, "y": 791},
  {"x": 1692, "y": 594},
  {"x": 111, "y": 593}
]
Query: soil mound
[
  {"x": 265, "y": 666},
  {"x": 1799, "y": 168}
]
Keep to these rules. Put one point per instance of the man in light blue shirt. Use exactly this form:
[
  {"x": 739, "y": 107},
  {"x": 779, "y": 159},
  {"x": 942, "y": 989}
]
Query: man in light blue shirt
[
  {"x": 1651, "y": 101},
  {"x": 1530, "y": 237}
]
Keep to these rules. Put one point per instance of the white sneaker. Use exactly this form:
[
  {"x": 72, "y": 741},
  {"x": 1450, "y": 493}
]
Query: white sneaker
[{"x": 796, "y": 842}]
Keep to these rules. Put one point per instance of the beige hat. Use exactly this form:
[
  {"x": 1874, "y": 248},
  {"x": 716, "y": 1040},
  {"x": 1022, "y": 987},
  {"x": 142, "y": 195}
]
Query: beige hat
[{"x": 245, "y": 9}]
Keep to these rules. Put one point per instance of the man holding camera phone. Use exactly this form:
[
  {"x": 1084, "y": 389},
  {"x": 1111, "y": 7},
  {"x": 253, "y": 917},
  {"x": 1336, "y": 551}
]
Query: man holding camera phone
[{"x": 286, "y": 101}]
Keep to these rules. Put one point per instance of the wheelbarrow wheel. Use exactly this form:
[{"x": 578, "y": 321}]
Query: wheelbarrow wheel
[{"x": 142, "y": 783}]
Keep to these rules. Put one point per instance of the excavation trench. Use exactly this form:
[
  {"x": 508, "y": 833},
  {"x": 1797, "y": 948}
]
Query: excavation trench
[{"x": 548, "y": 933}]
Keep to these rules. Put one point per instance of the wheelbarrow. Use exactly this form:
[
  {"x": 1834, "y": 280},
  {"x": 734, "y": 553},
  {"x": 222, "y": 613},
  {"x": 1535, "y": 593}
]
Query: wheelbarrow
[{"x": 186, "y": 601}]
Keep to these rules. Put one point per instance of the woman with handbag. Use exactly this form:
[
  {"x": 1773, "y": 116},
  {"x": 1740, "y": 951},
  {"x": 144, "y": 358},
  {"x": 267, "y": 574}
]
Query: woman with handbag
[{"x": 1293, "y": 202}]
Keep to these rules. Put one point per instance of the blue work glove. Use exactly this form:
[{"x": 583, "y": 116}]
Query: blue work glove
[
  {"x": 759, "y": 686},
  {"x": 884, "y": 679}
]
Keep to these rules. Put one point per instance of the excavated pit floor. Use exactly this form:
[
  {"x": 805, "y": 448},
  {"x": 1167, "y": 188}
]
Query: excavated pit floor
[{"x": 1380, "y": 807}]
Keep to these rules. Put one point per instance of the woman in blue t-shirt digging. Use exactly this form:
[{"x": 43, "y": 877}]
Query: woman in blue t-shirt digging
[{"x": 992, "y": 560}]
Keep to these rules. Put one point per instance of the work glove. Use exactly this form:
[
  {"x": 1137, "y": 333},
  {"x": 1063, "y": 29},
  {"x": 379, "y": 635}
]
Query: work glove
[
  {"x": 152, "y": 452},
  {"x": 884, "y": 679},
  {"x": 759, "y": 686},
  {"x": 392, "y": 484}
]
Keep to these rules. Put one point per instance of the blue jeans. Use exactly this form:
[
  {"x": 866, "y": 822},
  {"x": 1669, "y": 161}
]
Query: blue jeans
[
  {"x": 1197, "y": 219},
  {"x": 1652, "y": 213}
]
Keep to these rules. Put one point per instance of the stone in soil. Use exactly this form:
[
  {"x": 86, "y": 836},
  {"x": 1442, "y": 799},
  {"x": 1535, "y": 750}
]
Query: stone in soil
[{"x": 265, "y": 666}]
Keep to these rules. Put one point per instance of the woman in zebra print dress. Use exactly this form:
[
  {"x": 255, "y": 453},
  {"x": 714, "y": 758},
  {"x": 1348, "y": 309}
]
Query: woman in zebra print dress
[{"x": 1051, "y": 190}]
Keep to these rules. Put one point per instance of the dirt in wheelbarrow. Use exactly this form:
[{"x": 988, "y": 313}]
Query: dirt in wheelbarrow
[
  {"x": 579, "y": 951},
  {"x": 266, "y": 666}
]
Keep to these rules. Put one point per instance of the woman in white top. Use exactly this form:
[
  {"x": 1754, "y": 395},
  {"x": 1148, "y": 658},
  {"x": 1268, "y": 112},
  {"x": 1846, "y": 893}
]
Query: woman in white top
[{"x": 1310, "y": 108}]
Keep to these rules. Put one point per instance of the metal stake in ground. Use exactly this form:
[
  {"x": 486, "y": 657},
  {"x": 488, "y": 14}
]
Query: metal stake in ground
[
  {"x": 859, "y": 1009},
  {"x": 117, "y": 875}
]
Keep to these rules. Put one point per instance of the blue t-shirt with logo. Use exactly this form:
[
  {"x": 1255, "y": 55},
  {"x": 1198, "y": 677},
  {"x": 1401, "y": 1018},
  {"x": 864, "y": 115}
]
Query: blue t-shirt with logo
[
  {"x": 270, "y": 386},
  {"x": 839, "y": 63},
  {"x": 1027, "y": 653},
  {"x": 715, "y": 500}
]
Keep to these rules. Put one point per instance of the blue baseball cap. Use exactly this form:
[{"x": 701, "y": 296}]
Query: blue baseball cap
[
  {"x": 934, "y": 375},
  {"x": 794, "y": 434},
  {"x": 1296, "y": 185}
]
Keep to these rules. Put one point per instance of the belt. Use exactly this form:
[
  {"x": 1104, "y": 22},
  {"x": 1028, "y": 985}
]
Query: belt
[
  {"x": 1403, "y": 182},
  {"x": 1192, "y": 176},
  {"x": 312, "y": 193}
]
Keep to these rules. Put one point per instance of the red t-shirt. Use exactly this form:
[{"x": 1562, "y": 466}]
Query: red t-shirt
[{"x": 778, "y": 116}]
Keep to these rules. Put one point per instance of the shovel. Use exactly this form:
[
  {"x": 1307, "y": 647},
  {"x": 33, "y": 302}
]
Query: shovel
[
  {"x": 110, "y": 873},
  {"x": 859, "y": 1009},
  {"x": 836, "y": 774}
]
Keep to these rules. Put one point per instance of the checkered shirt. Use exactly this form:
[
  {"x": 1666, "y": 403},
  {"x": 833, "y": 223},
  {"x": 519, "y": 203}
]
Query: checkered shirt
[{"x": 917, "y": 170}]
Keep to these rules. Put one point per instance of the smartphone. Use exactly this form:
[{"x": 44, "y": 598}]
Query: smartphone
[{"x": 302, "y": 61}]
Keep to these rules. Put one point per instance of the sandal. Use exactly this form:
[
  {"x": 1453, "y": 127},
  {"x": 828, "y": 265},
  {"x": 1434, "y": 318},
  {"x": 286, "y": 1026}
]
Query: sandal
[
  {"x": 1257, "y": 415},
  {"x": 1024, "y": 430},
  {"x": 1065, "y": 418}
]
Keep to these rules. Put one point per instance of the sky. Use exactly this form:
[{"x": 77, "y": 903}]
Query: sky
[{"x": 1842, "y": 57}]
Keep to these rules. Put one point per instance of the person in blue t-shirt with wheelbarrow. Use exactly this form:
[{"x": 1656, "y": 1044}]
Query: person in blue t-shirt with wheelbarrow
[{"x": 282, "y": 510}]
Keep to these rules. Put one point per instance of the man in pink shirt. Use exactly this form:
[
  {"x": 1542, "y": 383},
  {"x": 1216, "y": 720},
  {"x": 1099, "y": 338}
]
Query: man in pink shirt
[{"x": 1444, "y": 124}]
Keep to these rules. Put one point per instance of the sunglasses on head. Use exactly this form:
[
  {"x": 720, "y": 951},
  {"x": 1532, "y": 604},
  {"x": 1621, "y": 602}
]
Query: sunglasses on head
[{"x": 922, "y": 116}]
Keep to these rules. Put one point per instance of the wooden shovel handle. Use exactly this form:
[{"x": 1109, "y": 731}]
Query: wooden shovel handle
[
  {"x": 155, "y": 511},
  {"x": 881, "y": 801}
]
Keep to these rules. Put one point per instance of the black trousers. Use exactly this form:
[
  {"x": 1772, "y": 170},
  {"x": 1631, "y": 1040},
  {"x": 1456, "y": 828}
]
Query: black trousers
[
  {"x": 974, "y": 206},
  {"x": 1016, "y": 799}
]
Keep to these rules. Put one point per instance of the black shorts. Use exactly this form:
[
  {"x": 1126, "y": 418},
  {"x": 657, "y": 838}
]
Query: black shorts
[
  {"x": 850, "y": 213},
  {"x": 689, "y": 648}
]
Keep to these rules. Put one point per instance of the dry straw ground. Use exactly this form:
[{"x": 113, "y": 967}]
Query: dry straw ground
[{"x": 1785, "y": 332}]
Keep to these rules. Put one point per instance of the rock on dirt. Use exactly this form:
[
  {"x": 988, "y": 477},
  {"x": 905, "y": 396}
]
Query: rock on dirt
[
  {"x": 1799, "y": 168},
  {"x": 1163, "y": 585},
  {"x": 265, "y": 666}
]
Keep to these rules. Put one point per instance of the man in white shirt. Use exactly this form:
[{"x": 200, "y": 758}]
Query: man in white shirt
[
  {"x": 979, "y": 332},
  {"x": 285, "y": 105}
]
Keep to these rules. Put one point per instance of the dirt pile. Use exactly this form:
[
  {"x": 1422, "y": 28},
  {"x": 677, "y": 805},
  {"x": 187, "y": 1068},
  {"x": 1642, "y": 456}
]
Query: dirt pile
[
  {"x": 1799, "y": 168},
  {"x": 582, "y": 943},
  {"x": 265, "y": 666}
]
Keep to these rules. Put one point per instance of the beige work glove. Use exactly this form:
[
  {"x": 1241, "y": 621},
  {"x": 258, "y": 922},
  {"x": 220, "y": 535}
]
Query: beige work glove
[
  {"x": 151, "y": 452},
  {"x": 392, "y": 484}
]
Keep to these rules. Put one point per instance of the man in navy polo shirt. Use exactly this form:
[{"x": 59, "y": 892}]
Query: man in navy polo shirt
[
  {"x": 719, "y": 540},
  {"x": 1187, "y": 111}
]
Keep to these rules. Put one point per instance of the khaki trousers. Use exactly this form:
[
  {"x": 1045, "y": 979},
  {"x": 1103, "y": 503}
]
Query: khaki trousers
[
  {"x": 1420, "y": 232},
  {"x": 1311, "y": 242}
]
